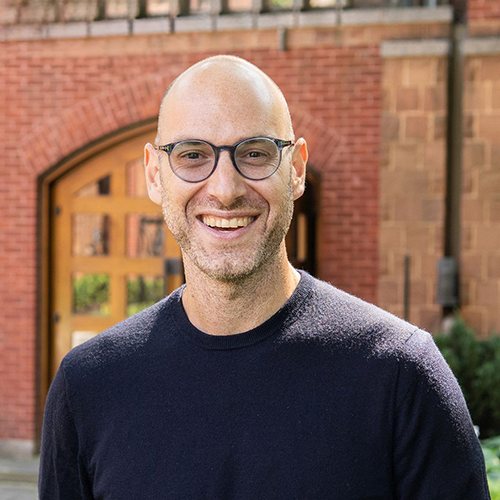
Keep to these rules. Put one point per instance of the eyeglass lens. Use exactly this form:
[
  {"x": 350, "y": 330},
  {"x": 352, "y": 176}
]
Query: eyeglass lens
[{"x": 255, "y": 158}]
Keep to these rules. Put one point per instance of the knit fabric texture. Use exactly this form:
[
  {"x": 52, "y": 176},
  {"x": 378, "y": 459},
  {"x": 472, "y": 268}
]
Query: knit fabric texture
[{"x": 331, "y": 398}]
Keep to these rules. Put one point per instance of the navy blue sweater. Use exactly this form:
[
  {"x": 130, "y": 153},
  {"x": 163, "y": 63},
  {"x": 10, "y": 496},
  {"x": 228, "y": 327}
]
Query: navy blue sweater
[{"x": 331, "y": 398}]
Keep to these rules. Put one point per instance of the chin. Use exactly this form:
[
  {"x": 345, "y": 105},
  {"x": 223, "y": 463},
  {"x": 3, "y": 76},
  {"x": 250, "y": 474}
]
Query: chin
[
  {"x": 232, "y": 267},
  {"x": 229, "y": 271}
]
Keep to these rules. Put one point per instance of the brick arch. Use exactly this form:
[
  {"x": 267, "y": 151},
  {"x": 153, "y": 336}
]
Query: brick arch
[
  {"x": 324, "y": 142},
  {"x": 91, "y": 119},
  {"x": 133, "y": 102}
]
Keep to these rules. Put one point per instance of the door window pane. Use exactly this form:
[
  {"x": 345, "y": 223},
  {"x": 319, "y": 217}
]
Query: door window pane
[
  {"x": 136, "y": 179},
  {"x": 158, "y": 8},
  {"x": 240, "y": 5},
  {"x": 199, "y": 6},
  {"x": 91, "y": 234},
  {"x": 99, "y": 187},
  {"x": 328, "y": 3},
  {"x": 80, "y": 336},
  {"x": 143, "y": 291},
  {"x": 145, "y": 235},
  {"x": 280, "y": 4},
  {"x": 91, "y": 294}
]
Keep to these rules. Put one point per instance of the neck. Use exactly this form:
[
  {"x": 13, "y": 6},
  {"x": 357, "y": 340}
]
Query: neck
[{"x": 225, "y": 308}]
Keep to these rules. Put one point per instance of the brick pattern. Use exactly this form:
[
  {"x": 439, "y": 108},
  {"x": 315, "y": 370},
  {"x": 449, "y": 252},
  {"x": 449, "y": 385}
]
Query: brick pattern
[
  {"x": 412, "y": 184},
  {"x": 340, "y": 91},
  {"x": 483, "y": 17},
  {"x": 58, "y": 96},
  {"x": 481, "y": 195}
]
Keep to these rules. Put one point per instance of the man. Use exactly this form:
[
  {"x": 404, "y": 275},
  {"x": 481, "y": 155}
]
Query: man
[{"x": 254, "y": 381}]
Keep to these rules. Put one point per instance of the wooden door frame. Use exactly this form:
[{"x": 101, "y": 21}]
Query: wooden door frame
[{"x": 45, "y": 181}]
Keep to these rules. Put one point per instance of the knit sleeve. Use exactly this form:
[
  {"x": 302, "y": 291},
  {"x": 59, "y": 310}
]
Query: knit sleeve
[
  {"x": 436, "y": 454},
  {"x": 62, "y": 473}
]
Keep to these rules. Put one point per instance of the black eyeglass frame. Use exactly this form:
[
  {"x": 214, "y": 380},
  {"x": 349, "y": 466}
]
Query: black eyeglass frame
[{"x": 281, "y": 144}]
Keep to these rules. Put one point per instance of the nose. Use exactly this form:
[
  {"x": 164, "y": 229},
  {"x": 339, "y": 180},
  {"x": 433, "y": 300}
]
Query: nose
[{"x": 226, "y": 184}]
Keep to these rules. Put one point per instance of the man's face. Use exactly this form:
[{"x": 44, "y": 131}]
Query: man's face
[{"x": 260, "y": 210}]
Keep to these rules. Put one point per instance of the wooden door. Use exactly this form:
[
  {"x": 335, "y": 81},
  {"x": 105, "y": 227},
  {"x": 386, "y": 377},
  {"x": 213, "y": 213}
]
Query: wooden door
[{"x": 112, "y": 254}]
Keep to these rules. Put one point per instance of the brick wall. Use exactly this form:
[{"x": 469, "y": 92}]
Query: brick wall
[
  {"x": 481, "y": 194},
  {"x": 58, "y": 96},
  {"x": 376, "y": 132},
  {"x": 412, "y": 184},
  {"x": 483, "y": 17}
]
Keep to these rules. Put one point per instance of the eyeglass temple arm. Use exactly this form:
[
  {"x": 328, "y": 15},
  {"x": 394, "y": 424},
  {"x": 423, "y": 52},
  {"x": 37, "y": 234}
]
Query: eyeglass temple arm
[{"x": 166, "y": 148}]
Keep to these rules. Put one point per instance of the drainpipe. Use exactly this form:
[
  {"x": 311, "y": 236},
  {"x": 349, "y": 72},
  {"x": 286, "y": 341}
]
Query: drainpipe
[{"x": 449, "y": 265}]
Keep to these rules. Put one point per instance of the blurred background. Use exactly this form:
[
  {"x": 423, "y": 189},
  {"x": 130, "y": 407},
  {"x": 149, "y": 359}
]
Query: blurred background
[{"x": 399, "y": 101}]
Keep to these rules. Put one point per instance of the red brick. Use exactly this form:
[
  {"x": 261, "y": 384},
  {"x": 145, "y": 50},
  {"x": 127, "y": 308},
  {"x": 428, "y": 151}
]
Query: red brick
[{"x": 67, "y": 93}]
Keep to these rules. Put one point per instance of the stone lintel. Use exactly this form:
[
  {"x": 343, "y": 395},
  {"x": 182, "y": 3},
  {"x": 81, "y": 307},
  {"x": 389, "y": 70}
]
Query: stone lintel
[
  {"x": 234, "y": 21},
  {"x": 482, "y": 46},
  {"x": 415, "y": 48}
]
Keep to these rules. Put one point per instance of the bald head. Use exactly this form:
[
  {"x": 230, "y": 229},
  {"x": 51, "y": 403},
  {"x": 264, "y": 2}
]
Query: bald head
[{"x": 228, "y": 88}]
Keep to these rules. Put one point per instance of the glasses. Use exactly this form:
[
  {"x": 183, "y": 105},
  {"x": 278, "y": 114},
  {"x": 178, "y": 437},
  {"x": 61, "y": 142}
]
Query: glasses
[{"x": 194, "y": 160}]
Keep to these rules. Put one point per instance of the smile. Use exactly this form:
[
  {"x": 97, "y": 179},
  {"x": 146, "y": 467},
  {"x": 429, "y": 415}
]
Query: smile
[{"x": 226, "y": 224}]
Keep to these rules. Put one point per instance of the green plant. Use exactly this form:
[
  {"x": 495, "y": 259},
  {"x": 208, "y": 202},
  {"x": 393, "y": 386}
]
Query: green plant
[
  {"x": 91, "y": 294},
  {"x": 143, "y": 289},
  {"x": 491, "y": 451},
  {"x": 143, "y": 292},
  {"x": 476, "y": 364}
]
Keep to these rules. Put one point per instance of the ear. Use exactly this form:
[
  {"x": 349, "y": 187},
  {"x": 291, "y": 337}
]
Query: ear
[
  {"x": 299, "y": 162},
  {"x": 152, "y": 171}
]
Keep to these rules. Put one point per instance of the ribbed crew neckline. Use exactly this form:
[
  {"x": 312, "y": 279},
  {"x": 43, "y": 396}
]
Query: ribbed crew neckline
[{"x": 238, "y": 340}]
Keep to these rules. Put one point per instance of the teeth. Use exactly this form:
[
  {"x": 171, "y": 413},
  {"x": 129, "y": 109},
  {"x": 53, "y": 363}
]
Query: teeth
[{"x": 234, "y": 222}]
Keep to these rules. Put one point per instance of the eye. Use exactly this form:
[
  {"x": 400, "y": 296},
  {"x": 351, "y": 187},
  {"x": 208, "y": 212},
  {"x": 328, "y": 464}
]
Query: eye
[
  {"x": 192, "y": 155},
  {"x": 255, "y": 154}
]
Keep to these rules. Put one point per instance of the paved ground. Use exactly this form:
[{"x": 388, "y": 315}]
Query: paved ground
[
  {"x": 18, "y": 491},
  {"x": 18, "y": 479}
]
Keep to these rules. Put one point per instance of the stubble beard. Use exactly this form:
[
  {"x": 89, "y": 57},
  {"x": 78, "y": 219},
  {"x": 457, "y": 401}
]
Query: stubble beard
[{"x": 230, "y": 265}]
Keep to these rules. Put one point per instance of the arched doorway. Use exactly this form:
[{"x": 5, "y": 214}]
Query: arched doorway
[{"x": 111, "y": 253}]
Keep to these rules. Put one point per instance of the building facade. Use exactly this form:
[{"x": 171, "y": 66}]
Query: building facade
[{"x": 400, "y": 106}]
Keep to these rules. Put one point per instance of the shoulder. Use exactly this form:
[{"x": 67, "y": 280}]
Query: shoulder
[
  {"x": 356, "y": 329},
  {"x": 122, "y": 342},
  {"x": 334, "y": 316}
]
